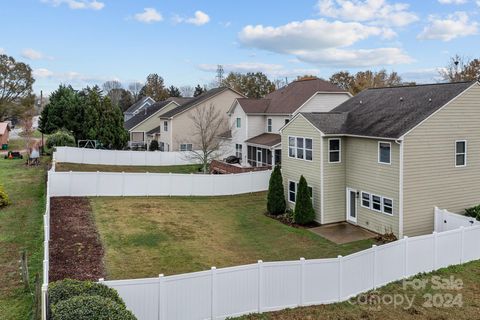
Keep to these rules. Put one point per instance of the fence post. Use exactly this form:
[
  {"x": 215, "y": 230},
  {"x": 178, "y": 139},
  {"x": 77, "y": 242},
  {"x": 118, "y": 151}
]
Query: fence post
[
  {"x": 70, "y": 183},
  {"x": 340, "y": 276},
  {"x": 170, "y": 184},
  {"x": 435, "y": 218},
  {"x": 251, "y": 181},
  {"x": 405, "y": 262},
  {"x": 44, "y": 301},
  {"x": 462, "y": 244},
  {"x": 161, "y": 297},
  {"x": 302, "y": 281},
  {"x": 97, "y": 184},
  {"x": 374, "y": 247},
  {"x": 192, "y": 180},
  {"x": 123, "y": 183},
  {"x": 213, "y": 283},
  {"x": 260, "y": 285},
  {"x": 147, "y": 184},
  {"x": 435, "y": 244}
]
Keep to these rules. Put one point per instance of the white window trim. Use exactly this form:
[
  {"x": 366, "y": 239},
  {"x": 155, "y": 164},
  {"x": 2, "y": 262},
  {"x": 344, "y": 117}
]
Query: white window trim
[
  {"x": 271, "y": 125},
  {"x": 339, "y": 150},
  {"x": 369, "y": 199},
  {"x": 165, "y": 123},
  {"x": 457, "y": 153},
  {"x": 383, "y": 206},
  {"x": 371, "y": 203},
  {"x": 236, "y": 122},
  {"x": 378, "y": 152},
  {"x": 186, "y": 147},
  {"x": 304, "y": 148},
  {"x": 288, "y": 195}
]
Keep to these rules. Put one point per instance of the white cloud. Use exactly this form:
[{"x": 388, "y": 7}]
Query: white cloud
[
  {"x": 200, "y": 18},
  {"x": 77, "y": 4},
  {"x": 34, "y": 55},
  {"x": 42, "y": 73},
  {"x": 453, "y": 26},
  {"x": 427, "y": 75},
  {"x": 452, "y": 1},
  {"x": 71, "y": 77},
  {"x": 149, "y": 15},
  {"x": 272, "y": 70},
  {"x": 478, "y": 3},
  {"x": 379, "y": 12}
]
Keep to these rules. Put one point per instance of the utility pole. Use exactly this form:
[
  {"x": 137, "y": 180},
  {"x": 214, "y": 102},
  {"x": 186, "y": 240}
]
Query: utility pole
[{"x": 220, "y": 73}]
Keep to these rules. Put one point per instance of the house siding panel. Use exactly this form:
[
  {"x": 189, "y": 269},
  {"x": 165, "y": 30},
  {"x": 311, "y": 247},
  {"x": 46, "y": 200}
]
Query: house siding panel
[
  {"x": 364, "y": 173},
  {"x": 430, "y": 176},
  {"x": 293, "y": 168},
  {"x": 324, "y": 102},
  {"x": 334, "y": 185}
]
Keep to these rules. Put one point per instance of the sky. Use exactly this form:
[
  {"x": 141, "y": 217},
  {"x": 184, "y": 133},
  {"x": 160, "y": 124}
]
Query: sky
[{"x": 86, "y": 42}]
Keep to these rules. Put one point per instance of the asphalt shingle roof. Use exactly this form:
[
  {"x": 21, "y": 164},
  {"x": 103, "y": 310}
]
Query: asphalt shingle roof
[
  {"x": 136, "y": 105},
  {"x": 386, "y": 112},
  {"x": 144, "y": 114},
  {"x": 266, "y": 139}
]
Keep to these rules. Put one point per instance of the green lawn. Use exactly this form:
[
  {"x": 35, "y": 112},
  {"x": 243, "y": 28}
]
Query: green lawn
[
  {"x": 444, "y": 303},
  {"x": 20, "y": 228},
  {"x": 191, "y": 168},
  {"x": 144, "y": 237}
]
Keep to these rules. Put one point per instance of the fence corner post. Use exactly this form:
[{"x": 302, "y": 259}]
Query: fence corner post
[
  {"x": 44, "y": 301},
  {"x": 213, "y": 272},
  {"x": 375, "y": 248},
  {"x": 405, "y": 261},
  {"x": 340, "y": 277},
  {"x": 161, "y": 297},
  {"x": 260, "y": 285},
  {"x": 302, "y": 282}
]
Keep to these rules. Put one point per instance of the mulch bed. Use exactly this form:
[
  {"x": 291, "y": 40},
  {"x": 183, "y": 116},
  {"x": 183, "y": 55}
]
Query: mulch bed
[
  {"x": 75, "y": 248},
  {"x": 285, "y": 219}
]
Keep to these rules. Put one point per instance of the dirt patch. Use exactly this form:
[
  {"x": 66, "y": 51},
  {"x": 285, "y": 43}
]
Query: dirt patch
[{"x": 76, "y": 251}]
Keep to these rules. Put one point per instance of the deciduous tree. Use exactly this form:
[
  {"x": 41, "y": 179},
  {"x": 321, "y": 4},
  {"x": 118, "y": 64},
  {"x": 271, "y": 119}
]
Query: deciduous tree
[
  {"x": 461, "y": 69},
  {"x": 134, "y": 89},
  {"x": 252, "y": 85},
  {"x": 154, "y": 88}
]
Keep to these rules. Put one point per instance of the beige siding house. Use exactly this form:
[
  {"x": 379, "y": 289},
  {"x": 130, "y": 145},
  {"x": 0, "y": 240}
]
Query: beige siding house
[
  {"x": 385, "y": 158},
  {"x": 176, "y": 132}
]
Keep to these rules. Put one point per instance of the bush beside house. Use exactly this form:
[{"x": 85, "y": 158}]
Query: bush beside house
[
  {"x": 276, "y": 198},
  {"x": 304, "y": 213},
  {"x": 153, "y": 145}
]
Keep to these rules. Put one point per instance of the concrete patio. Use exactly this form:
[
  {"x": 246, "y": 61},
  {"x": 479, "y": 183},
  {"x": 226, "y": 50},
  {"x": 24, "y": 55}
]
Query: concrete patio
[{"x": 343, "y": 232}]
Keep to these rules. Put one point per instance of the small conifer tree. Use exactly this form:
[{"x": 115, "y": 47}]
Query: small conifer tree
[
  {"x": 276, "y": 196},
  {"x": 304, "y": 213}
]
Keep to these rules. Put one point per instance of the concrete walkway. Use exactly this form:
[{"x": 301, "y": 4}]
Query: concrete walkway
[{"x": 343, "y": 232}]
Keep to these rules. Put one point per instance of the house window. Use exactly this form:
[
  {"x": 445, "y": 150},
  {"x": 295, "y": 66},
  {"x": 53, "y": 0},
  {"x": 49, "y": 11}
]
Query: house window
[
  {"x": 388, "y": 206},
  {"x": 300, "y": 148},
  {"x": 287, "y": 121},
  {"x": 384, "y": 152},
  {"x": 186, "y": 147},
  {"x": 376, "y": 203},
  {"x": 238, "y": 151},
  {"x": 366, "y": 200},
  {"x": 460, "y": 153},
  {"x": 269, "y": 125},
  {"x": 308, "y": 149},
  {"x": 238, "y": 122},
  {"x": 292, "y": 188},
  {"x": 165, "y": 126},
  {"x": 291, "y": 147},
  {"x": 334, "y": 152}
]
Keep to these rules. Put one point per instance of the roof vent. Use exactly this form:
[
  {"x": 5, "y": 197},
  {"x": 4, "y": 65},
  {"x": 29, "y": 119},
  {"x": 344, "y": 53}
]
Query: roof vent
[
  {"x": 401, "y": 98},
  {"x": 361, "y": 102},
  {"x": 429, "y": 99}
]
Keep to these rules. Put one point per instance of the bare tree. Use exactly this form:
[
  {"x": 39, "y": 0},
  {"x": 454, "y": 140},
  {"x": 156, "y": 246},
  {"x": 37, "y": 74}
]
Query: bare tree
[
  {"x": 114, "y": 91},
  {"x": 186, "y": 91},
  {"x": 207, "y": 125},
  {"x": 135, "y": 88},
  {"x": 460, "y": 68}
]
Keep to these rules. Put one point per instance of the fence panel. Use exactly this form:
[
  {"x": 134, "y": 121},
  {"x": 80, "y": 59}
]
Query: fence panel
[
  {"x": 280, "y": 285},
  {"x": 390, "y": 260},
  {"x": 471, "y": 247},
  {"x": 421, "y": 254},
  {"x": 448, "y": 245},
  {"x": 357, "y": 273},
  {"x": 322, "y": 281},
  {"x": 445, "y": 220}
]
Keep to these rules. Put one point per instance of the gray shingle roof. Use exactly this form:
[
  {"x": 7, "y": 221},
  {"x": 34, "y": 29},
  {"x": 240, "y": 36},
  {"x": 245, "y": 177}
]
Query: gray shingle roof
[
  {"x": 137, "y": 105},
  {"x": 266, "y": 139},
  {"x": 386, "y": 112},
  {"x": 194, "y": 101},
  {"x": 144, "y": 114}
]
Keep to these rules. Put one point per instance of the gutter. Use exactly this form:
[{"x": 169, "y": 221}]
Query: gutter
[{"x": 400, "y": 189}]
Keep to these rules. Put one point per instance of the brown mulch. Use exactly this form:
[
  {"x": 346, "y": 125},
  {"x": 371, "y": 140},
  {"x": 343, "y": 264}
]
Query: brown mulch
[
  {"x": 286, "y": 219},
  {"x": 75, "y": 248}
]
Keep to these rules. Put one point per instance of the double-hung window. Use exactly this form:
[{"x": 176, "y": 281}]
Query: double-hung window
[
  {"x": 292, "y": 190},
  {"x": 291, "y": 147},
  {"x": 186, "y": 147},
  {"x": 377, "y": 203},
  {"x": 165, "y": 126},
  {"x": 366, "y": 200},
  {"x": 300, "y": 148},
  {"x": 384, "y": 152},
  {"x": 334, "y": 150},
  {"x": 269, "y": 125},
  {"x": 387, "y": 206},
  {"x": 460, "y": 153},
  {"x": 238, "y": 151},
  {"x": 238, "y": 122}
]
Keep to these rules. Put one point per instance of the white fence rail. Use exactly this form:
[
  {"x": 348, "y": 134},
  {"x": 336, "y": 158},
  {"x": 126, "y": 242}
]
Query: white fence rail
[
  {"x": 227, "y": 292},
  {"x": 46, "y": 252},
  {"x": 445, "y": 220},
  {"x": 121, "y": 158},
  {"x": 155, "y": 184}
]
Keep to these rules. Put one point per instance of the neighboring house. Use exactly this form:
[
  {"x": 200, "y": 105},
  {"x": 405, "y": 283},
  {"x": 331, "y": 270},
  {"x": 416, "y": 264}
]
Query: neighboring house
[
  {"x": 255, "y": 123},
  {"x": 176, "y": 125},
  {"x": 137, "y": 107},
  {"x": 144, "y": 126},
  {"x": 386, "y": 157},
  {"x": 4, "y": 134}
]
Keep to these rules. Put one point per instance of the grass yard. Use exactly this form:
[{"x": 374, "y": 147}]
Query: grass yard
[
  {"x": 144, "y": 237},
  {"x": 428, "y": 303},
  {"x": 20, "y": 228},
  {"x": 64, "y": 166}
]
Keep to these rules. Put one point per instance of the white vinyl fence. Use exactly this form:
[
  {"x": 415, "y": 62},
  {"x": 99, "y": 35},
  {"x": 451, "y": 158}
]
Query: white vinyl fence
[
  {"x": 268, "y": 286},
  {"x": 445, "y": 220},
  {"x": 121, "y": 158},
  {"x": 79, "y": 184},
  {"x": 46, "y": 239}
]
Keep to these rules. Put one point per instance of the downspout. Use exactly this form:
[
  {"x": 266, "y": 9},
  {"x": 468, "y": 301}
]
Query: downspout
[
  {"x": 321, "y": 179},
  {"x": 400, "y": 190}
]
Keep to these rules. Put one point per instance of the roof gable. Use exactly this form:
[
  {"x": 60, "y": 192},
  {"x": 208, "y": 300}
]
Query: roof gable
[
  {"x": 139, "y": 104},
  {"x": 146, "y": 114}
]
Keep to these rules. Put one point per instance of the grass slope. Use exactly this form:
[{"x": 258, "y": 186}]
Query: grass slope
[
  {"x": 20, "y": 228},
  {"x": 104, "y": 168},
  {"x": 144, "y": 237}
]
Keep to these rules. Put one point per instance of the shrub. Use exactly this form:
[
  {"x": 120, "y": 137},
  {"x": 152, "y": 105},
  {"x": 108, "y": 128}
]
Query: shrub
[
  {"x": 90, "y": 307},
  {"x": 60, "y": 138},
  {"x": 276, "y": 196},
  {"x": 69, "y": 288},
  {"x": 153, "y": 145},
  {"x": 4, "y": 199},
  {"x": 473, "y": 212},
  {"x": 304, "y": 213}
]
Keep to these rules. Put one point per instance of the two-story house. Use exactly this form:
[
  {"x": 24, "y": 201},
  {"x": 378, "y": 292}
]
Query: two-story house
[
  {"x": 135, "y": 108},
  {"x": 255, "y": 123},
  {"x": 176, "y": 125},
  {"x": 386, "y": 157}
]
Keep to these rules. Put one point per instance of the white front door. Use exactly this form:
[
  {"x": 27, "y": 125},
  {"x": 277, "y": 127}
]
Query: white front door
[
  {"x": 259, "y": 157},
  {"x": 351, "y": 205}
]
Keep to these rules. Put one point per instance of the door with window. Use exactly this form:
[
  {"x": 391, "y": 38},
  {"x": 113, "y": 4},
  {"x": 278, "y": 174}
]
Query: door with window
[
  {"x": 351, "y": 205},
  {"x": 259, "y": 157}
]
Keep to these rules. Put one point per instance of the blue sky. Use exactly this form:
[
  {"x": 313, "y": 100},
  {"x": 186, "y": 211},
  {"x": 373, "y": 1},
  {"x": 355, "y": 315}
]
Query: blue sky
[{"x": 83, "y": 42}]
